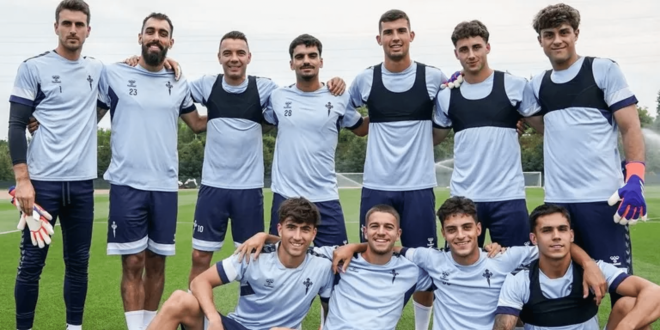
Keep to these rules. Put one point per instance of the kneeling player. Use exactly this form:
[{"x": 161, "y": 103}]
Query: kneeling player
[
  {"x": 276, "y": 290},
  {"x": 549, "y": 294}
]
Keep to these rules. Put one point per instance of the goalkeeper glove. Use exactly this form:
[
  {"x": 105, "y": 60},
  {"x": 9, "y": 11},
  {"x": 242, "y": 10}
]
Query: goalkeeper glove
[
  {"x": 38, "y": 223},
  {"x": 631, "y": 195}
]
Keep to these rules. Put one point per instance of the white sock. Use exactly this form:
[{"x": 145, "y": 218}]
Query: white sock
[
  {"x": 134, "y": 320},
  {"x": 148, "y": 316},
  {"x": 422, "y": 316},
  {"x": 73, "y": 327},
  {"x": 322, "y": 312}
]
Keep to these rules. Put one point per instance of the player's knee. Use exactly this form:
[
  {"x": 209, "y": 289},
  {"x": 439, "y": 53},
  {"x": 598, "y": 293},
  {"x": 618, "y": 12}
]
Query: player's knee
[
  {"x": 133, "y": 265},
  {"x": 154, "y": 264},
  {"x": 201, "y": 258},
  {"x": 623, "y": 306},
  {"x": 180, "y": 303}
]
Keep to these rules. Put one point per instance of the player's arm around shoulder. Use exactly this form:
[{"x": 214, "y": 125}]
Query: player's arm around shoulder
[
  {"x": 513, "y": 295},
  {"x": 188, "y": 112},
  {"x": 529, "y": 107},
  {"x": 442, "y": 125},
  {"x": 641, "y": 299},
  {"x": 352, "y": 119}
]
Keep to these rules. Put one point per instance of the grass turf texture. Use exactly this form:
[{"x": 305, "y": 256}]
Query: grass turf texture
[{"x": 104, "y": 310}]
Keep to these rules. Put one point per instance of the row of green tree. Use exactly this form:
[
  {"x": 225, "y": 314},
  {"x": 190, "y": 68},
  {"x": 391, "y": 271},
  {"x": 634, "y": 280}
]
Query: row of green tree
[{"x": 350, "y": 155}]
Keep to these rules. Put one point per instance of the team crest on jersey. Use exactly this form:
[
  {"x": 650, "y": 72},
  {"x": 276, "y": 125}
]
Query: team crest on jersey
[
  {"x": 307, "y": 284},
  {"x": 329, "y": 107},
  {"x": 487, "y": 274},
  {"x": 56, "y": 79},
  {"x": 90, "y": 80},
  {"x": 169, "y": 87},
  {"x": 269, "y": 282},
  {"x": 394, "y": 274}
]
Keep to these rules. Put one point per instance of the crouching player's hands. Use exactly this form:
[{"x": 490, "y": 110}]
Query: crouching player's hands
[
  {"x": 631, "y": 195},
  {"x": 38, "y": 222}
]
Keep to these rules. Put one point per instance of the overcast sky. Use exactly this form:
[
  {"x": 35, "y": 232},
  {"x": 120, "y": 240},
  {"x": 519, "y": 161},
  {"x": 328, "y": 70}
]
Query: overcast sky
[{"x": 625, "y": 31}]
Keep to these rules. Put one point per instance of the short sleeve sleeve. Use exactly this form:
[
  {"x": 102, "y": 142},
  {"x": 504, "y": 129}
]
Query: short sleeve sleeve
[
  {"x": 328, "y": 285},
  {"x": 424, "y": 258},
  {"x": 269, "y": 112},
  {"x": 611, "y": 80},
  {"x": 424, "y": 281},
  {"x": 187, "y": 105},
  {"x": 352, "y": 119},
  {"x": 323, "y": 251},
  {"x": 440, "y": 114},
  {"x": 529, "y": 105},
  {"x": 197, "y": 90},
  {"x": 26, "y": 86},
  {"x": 104, "y": 86},
  {"x": 513, "y": 294},
  {"x": 231, "y": 269}
]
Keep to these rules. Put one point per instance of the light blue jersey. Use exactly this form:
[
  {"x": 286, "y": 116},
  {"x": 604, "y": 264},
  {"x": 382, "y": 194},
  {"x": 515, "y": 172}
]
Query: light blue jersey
[
  {"x": 233, "y": 156},
  {"x": 272, "y": 295},
  {"x": 144, "y": 110},
  {"x": 487, "y": 160},
  {"x": 308, "y": 125},
  {"x": 399, "y": 152},
  {"x": 515, "y": 293},
  {"x": 466, "y": 296},
  {"x": 580, "y": 148},
  {"x": 64, "y": 95},
  {"x": 372, "y": 297}
]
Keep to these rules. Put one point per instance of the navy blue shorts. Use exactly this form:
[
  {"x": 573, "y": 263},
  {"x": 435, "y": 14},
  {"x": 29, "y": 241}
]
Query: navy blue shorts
[
  {"x": 507, "y": 222},
  {"x": 215, "y": 206},
  {"x": 416, "y": 209},
  {"x": 598, "y": 234},
  {"x": 332, "y": 230},
  {"x": 141, "y": 219}
]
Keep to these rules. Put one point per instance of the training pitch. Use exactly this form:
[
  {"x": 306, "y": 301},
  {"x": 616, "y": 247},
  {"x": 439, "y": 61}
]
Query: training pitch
[{"x": 104, "y": 309}]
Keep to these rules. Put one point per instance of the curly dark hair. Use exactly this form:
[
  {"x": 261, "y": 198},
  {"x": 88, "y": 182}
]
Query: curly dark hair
[
  {"x": 554, "y": 16},
  {"x": 470, "y": 29},
  {"x": 547, "y": 209},
  {"x": 457, "y": 205},
  {"x": 300, "y": 211}
]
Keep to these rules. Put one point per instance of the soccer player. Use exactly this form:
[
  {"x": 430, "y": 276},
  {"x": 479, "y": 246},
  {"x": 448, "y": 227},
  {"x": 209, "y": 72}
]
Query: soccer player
[
  {"x": 548, "y": 295},
  {"x": 277, "y": 290},
  {"x": 143, "y": 171},
  {"x": 465, "y": 281},
  {"x": 308, "y": 119},
  {"x": 59, "y": 88},
  {"x": 399, "y": 168},
  {"x": 582, "y": 161},
  {"x": 233, "y": 169},
  {"x": 484, "y": 112}
]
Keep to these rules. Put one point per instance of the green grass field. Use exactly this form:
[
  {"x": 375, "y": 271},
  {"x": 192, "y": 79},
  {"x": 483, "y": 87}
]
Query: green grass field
[{"x": 104, "y": 307}]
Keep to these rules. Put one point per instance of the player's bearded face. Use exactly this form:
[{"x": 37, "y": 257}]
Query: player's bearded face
[
  {"x": 306, "y": 62},
  {"x": 382, "y": 232},
  {"x": 461, "y": 232},
  {"x": 553, "y": 236},
  {"x": 154, "y": 52},
  {"x": 559, "y": 43},
  {"x": 296, "y": 237}
]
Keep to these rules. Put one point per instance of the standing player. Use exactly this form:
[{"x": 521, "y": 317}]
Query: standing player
[
  {"x": 143, "y": 171},
  {"x": 582, "y": 162},
  {"x": 59, "y": 88},
  {"x": 399, "y": 169},
  {"x": 233, "y": 170},
  {"x": 277, "y": 290},
  {"x": 308, "y": 119},
  {"x": 484, "y": 112},
  {"x": 548, "y": 295}
]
